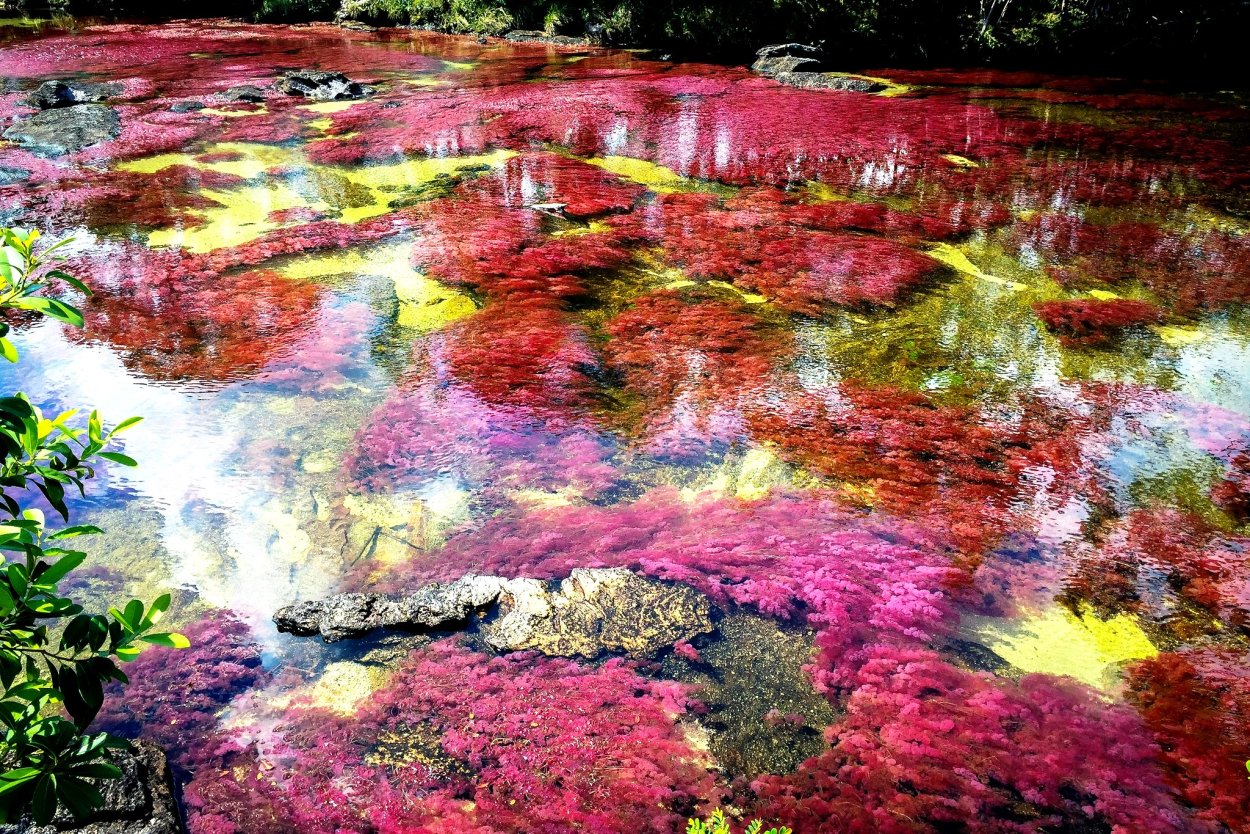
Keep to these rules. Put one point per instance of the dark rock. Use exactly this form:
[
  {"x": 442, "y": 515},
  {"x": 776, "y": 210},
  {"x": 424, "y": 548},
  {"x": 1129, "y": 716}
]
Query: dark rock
[
  {"x": 322, "y": 86},
  {"x": 140, "y": 802},
  {"x": 52, "y": 94},
  {"x": 352, "y": 615},
  {"x": 357, "y": 26},
  {"x": 763, "y": 714},
  {"x": 186, "y": 106},
  {"x": 65, "y": 130},
  {"x": 244, "y": 92},
  {"x": 803, "y": 65},
  {"x": 535, "y": 36},
  {"x": 11, "y": 175},
  {"x": 591, "y": 612}
]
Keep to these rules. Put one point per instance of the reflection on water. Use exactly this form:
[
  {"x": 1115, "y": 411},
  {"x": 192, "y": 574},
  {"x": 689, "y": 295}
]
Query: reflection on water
[{"x": 948, "y": 384}]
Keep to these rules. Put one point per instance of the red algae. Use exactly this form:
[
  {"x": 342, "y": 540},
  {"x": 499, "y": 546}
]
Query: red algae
[
  {"x": 1197, "y": 704},
  {"x": 1085, "y": 322}
]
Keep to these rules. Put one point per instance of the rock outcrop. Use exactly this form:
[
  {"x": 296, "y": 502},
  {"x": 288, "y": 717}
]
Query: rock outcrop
[
  {"x": 535, "y": 36},
  {"x": 53, "y": 94},
  {"x": 64, "y": 130},
  {"x": 140, "y": 802},
  {"x": 803, "y": 65},
  {"x": 322, "y": 86},
  {"x": 591, "y": 612},
  {"x": 244, "y": 92}
]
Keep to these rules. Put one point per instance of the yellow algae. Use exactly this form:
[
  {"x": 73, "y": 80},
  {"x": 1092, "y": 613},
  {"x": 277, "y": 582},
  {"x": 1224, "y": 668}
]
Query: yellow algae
[
  {"x": 459, "y": 66},
  {"x": 233, "y": 114},
  {"x": 655, "y": 177},
  {"x": 750, "y": 476},
  {"x": 958, "y": 261},
  {"x": 594, "y": 227},
  {"x": 319, "y": 462},
  {"x": 1179, "y": 336},
  {"x": 424, "y": 304},
  {"x": 1103, "y": 295},
  {"x": 329, "y": 106},
  {"x": 755, "y": 474},
  {"x": 680, "y": 284},
  {"x": 820, "y": 191},
  {"x": 341, "y": 687},
  {"x": 960, "y": 161},
  {"x": 747, "y": 297},
  {"x": 1058, "y": 642},
  {"x": 347, "y": 193},
  {"x": 423, "y": 81}
]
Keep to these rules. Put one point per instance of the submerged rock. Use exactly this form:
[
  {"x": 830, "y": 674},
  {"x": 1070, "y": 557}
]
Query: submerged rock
[
  {"x": 763, "y": 714},
  {"x": 186, "y": 106},
  {"x": 244, "y": 92},
  {"x": 140, "y": 802},
  {"x": 65, "y": 130},
  {"x": 596, "y": 610},
  {"x": 591, "y": 612},
  {"x": 52, "y": 94},
  {"x": 322, "y": 86}
]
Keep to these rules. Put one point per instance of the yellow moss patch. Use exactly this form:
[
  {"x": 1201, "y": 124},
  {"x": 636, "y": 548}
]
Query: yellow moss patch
[
  {"x": 960, "y": 161},
  {"x": 347, "y": 193},
  {"x": 329, "y": 106},
  {"x": 657, "y": 178},
  {"x": 824, "y": 193},
  {"x": 958, "y": 261},
  {"x": 341, "y": 688},
  {"x": 1179, "y": 336},
  {"x": 232, "y": 114},
  {"x": 1058, "y": 642},
  {"x": 424, "y": 304},
  {"x": 1103, "y": 295}
]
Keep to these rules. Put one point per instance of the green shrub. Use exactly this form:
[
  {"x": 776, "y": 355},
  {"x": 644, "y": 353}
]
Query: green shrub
[{"x": 54, "y": 657}]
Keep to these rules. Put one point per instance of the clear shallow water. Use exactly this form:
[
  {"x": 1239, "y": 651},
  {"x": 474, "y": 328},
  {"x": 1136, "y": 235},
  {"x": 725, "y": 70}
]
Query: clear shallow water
[{"x": 941, "y": 395}]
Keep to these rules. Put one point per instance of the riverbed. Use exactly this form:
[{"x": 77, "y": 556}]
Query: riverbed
[{"x": 936, "y": 390}]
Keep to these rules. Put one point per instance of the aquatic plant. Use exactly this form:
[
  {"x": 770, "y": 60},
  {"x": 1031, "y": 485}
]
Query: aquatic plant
[
  {"x": 1197, "y": 703},
  {"x": 718, "y": 824},
  {"x": 1088, "y": 322},
  {"x": 53, "y": 655}
]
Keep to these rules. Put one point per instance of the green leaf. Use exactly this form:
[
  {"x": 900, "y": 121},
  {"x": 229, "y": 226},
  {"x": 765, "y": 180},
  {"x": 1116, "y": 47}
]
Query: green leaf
[
  {"x": 159, "y": 606},
  {"x": 170, "y": 640},
  {"x": 56, "y": 572},
  {"x": 125, "y": 424},
  {"x": 118, "y": 457},
  {"x": 7, "y": 350},
  {"x": 67, "y": 278},
  {"x": 79, "y": 530}
]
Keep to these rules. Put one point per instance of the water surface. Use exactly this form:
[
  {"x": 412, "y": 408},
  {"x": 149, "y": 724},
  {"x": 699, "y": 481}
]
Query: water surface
[{"x": 940, "y": 394}]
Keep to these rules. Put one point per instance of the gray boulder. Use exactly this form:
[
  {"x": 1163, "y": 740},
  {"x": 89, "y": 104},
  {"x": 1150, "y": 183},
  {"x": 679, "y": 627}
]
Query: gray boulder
[
  {"x": 322, "y": 86},
  {"x": 591, "y": 612},
  {"x": 830, "y": 81},
  {"x": 244, "y": 92},
  {"x": 52, "y": 94},
  {"x": 186, "y": 106},
  {"x": 140, "y": 802},
  {"x": 803, "y": 65},
  {"x": 65, "y": 130}
]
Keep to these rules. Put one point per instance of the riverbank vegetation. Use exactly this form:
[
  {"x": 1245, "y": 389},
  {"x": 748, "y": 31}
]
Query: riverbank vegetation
[{"x": 1145, "y": 36}]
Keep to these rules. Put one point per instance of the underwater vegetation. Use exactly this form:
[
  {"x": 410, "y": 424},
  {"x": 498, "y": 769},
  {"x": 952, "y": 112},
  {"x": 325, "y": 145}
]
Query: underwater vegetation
[{"x": 943, "y": 389}]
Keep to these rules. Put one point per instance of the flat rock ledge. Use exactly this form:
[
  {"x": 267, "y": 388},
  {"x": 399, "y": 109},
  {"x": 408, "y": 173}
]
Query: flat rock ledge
[
  {"x": 62, "y": 130},
  {"x": 804, "y": 65},
  {"x": 536, "y": 36},
  {"x": 593, "y": 611},
  {"x": 52, "y": 94},
  {"x": 140, "y": 802}
]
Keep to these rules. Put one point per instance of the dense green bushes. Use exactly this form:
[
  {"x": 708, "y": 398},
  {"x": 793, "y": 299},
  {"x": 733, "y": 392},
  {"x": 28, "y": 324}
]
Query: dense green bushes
[{"x": 1085, "y": 34}]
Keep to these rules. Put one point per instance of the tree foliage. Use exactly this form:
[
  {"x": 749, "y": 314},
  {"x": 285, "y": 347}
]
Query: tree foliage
[{"x": 55, "y": 658}]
